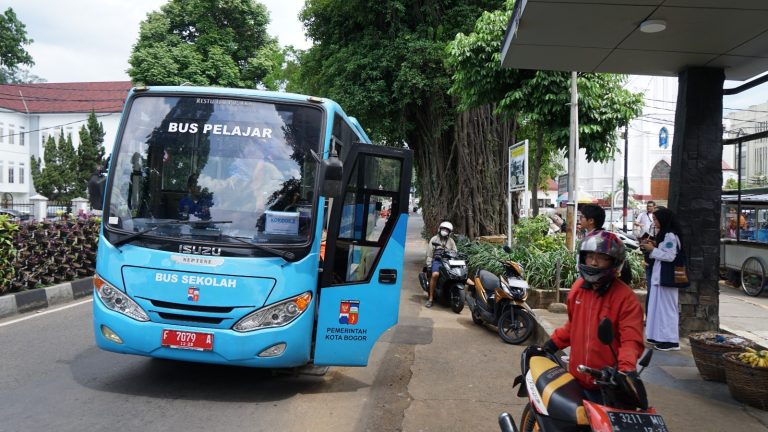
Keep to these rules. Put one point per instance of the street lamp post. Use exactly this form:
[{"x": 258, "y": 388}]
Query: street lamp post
[{"x": 626, "y": 180}]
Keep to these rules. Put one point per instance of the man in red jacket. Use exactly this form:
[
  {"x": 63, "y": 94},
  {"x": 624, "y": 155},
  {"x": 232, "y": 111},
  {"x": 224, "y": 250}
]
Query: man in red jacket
[{"x": 598, "y": 294}]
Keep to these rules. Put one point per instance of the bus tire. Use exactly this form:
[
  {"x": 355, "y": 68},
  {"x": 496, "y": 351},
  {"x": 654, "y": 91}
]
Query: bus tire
[{"x": 753, "y": 276}]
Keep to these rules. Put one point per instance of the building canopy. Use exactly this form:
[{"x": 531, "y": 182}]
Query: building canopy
[{"x": 645, "y": 37}]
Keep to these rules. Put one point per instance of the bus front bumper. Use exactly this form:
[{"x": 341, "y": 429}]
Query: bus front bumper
[{"x": 229, "y": 347}]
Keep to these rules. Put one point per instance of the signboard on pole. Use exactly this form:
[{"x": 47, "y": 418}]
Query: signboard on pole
[
  {"x": 518, "y": 166},
  {"x": 517, "y": 176}
]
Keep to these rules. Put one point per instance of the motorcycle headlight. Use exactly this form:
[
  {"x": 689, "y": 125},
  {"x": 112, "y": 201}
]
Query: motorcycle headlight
[
  {"x": 275, "y": 315},
  {"x": 118, "y": 301}
]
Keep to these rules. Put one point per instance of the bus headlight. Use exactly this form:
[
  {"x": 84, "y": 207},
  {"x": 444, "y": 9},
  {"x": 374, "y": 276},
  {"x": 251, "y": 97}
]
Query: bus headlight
[
  {"x": 276, "y": 315},
  {"x": 116, "y": 300}
]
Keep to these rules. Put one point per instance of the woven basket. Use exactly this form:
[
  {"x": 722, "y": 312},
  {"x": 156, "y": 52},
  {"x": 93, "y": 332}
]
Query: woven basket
[
  {"x": 708, "y": 353},
  {"x": 746, "y": 383}
]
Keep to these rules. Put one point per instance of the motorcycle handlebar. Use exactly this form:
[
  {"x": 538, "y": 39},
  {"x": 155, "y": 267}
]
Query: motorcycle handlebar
[
  {"x": 597, "y": 373},
  {"x": 604, "y": 377},
  {"x": 506, "y": 423}
]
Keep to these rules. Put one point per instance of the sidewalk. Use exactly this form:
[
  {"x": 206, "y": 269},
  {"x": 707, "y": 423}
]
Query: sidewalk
[{"x": 674, "y": 386}]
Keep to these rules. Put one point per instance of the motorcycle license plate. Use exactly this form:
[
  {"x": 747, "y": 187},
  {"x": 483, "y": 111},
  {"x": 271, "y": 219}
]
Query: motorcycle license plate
[
  {"x": 641, "y": 422},
  {"x": 457, "y": 262},
  {"x": 187, "y": 340}
]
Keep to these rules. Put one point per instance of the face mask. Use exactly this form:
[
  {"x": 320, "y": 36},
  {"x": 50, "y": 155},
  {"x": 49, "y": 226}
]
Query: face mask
[{"x": 444, "y": 233}]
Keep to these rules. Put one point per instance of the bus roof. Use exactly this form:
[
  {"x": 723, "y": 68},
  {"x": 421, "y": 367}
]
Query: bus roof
[{"x": 224, "y": 91}]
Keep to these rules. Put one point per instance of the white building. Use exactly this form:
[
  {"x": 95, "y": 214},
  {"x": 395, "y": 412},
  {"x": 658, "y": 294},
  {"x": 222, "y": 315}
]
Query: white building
[
  {"x": 754, "y": 154},
  {"x": 29, "y": 113},
  {"x": 649, "y": 148}
]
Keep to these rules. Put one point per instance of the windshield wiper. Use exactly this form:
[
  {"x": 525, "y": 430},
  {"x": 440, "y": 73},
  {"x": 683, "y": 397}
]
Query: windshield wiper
[
  {"x": 157, "y": 225},
  {"x": 286, "y": 255}
]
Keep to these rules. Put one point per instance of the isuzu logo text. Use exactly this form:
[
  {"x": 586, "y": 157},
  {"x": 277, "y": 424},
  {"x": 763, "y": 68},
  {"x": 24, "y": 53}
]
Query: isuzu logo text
[{"x": 199, "y": 250}]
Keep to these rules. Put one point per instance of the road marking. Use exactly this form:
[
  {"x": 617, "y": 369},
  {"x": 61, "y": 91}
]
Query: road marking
[{"x": 37, "y": 314}]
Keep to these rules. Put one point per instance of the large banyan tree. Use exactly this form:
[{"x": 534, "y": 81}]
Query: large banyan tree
[{"x": 412, "y": 77}]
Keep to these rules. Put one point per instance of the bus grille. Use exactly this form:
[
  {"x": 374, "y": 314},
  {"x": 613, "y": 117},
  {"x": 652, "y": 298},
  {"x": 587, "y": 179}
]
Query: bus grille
[
  {"x": 190, "y": 318},
  {"x": 192, "y": 308}
]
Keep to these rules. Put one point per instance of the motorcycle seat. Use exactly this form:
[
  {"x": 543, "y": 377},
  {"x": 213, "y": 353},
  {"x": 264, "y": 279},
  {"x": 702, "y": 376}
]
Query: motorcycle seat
[
  {"x": 560, "y": 393},
  {"x": 488, "y": 281}
]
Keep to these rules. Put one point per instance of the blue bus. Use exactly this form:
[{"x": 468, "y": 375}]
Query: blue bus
[{"x": 244, "y": 227}]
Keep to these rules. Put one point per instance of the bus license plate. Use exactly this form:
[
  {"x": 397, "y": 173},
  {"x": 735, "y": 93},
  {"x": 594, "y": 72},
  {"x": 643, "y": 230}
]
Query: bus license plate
[
  {"x": 187, "y": 340},
  {"x": 641, "y": 422}
]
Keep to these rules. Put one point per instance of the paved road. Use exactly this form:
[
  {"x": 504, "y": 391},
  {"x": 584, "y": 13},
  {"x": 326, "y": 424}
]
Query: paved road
[{"x": 436, "y": 371}]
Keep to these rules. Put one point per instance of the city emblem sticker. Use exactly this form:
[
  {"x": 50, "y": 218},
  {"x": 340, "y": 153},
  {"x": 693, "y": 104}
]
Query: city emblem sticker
[
  {"x": 349, "y": 312},
  {"x": 193, "y": 294}
]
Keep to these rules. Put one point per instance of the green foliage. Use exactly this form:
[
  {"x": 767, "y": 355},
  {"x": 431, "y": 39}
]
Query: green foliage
[
  {"x": 90, "y": 153},
  {"x": 532, "y": 233},
  {"x": 387, "y": 60},
  {"x": 7, "y": 252},
  {"x": 57, "y": 178},
  {"x": 539, "y": 98},
  {"x": 539, "y": 254},
  {"x": 205, "y": 42},
  {"x": 13, "y": 37},
  {"x": 731, "y": 184},
  {"x": 47, "y": 253}
]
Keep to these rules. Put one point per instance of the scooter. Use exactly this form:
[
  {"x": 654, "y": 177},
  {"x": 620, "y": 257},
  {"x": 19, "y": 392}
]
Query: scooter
[
  {"x": 556, "y": 401},
  {"x": 500, "y": 301},
  {"x": 629, "y": 239},
  {"x": 450, "y": 287}
]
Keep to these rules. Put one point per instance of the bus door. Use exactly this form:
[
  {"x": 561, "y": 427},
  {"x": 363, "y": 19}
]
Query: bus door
[{"x": 359, "y": 294}]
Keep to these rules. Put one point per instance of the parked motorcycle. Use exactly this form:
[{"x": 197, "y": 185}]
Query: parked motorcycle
[
  {"x": 556, "y": 401},
  {"x": 450, "y": 287},
  {"x": 500, "y": 301},
  {"x": 630, "y": 241}
]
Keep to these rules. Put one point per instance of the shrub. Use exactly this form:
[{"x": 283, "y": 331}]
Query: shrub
[
  {"x": 48, "y": 252},
  {"x": 7, "y": 252},
  {"x": 538, "y": 253}
]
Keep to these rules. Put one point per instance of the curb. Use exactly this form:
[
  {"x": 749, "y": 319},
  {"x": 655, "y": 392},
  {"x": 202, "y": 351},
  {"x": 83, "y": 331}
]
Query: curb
[
  {"x": 543, "y": 329},
  {"x": 41, "y": 298}
]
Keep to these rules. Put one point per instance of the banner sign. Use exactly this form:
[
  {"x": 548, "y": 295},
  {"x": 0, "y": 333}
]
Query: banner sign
[{"x": 518, "y": 166}]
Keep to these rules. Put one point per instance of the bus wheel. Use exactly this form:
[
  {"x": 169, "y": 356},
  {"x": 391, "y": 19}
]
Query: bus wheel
[{"x": 753, "y": 276}]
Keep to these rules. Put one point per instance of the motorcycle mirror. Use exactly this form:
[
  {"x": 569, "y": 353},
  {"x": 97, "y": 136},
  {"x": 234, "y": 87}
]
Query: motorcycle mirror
[
  {"x": 436, "y": 243},
  {"x": 605, "y": 331},
  {"x": 645, "y": 360},
  {"x": 507, "y": 249}
]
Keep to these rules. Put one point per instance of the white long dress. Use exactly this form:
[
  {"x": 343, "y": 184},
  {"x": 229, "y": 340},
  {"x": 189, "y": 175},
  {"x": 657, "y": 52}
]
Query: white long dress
[{"x": 663, "y": 315}]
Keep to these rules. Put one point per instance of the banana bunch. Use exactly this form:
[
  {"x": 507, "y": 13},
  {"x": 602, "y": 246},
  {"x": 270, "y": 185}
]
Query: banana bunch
[{"x": 754, "y": 358}]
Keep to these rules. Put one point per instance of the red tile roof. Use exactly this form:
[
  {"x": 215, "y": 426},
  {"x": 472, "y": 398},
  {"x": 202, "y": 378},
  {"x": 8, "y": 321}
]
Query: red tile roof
[
  {"x": 101, "y": 97},
  {"x": 726, "y": 166}
]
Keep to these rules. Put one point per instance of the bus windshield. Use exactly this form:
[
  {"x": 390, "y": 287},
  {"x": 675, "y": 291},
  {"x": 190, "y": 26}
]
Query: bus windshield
[{"x": 217, "y": 169}]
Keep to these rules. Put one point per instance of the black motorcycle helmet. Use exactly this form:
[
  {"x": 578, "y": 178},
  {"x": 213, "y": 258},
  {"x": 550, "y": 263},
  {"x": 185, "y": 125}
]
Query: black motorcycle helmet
[{"x": 603, "y": 242}]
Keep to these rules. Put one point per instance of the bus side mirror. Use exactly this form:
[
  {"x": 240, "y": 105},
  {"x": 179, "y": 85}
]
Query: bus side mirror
[{"x": 331, "y": 175}]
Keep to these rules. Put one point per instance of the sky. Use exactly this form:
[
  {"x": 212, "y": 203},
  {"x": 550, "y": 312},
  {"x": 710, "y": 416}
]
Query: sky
[{"x": 91, "y": 40}]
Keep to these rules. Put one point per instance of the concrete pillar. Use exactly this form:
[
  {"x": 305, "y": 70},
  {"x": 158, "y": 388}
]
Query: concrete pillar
[
  {"x": 79, "y": 204},
  {"x": 695, "y": 187},
  {"x": 39, "y": 207}
]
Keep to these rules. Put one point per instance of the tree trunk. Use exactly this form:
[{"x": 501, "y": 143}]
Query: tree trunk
[{"x": 462, "y": 172}]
